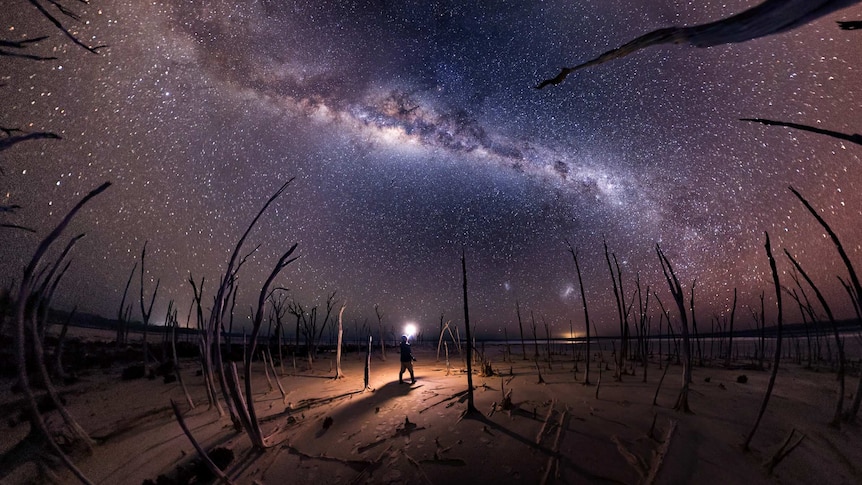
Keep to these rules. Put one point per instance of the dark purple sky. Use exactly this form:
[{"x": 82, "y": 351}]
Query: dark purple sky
[{"x": 413, "y": 131}]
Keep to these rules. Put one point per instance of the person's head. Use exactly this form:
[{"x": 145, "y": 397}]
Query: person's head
[{"x": 403, "y": 338}]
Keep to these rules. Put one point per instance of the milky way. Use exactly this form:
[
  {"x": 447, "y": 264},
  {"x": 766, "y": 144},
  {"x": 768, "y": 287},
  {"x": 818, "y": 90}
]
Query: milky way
[{"x": 414, "y": 132}]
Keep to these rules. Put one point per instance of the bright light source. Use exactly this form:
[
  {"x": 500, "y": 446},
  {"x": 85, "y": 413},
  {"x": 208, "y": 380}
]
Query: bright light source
[{"x": 410, "y": 330}]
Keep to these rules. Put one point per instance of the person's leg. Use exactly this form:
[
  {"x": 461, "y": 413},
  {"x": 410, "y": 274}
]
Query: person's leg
[
  {"x": 401, "y": 373},
  {"x": 412, "y": 377}
]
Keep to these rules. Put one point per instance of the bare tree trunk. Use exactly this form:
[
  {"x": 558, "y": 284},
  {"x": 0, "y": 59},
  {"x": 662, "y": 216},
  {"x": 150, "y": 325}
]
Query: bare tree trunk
[
  {"x": 662, "y": 316},
  {"x": 146, "y": 311},
  {"x": 730, "y": 333},
  {"x": 330, "y": 304},
  {"x": 382, "y": 336},
  {"x": 619, "y": 357},
  {"x": 368, "y": 364},
  {"x": 679, "y": 298},
  {"x": 586, "y": 312},
  {"x": 508, "y": 352},
  {"x": 643, "y": 309},
  {"x": 230, "y": 321},
  {"x": 255, "y": 433},
  {"x": 839, "y": 406},
  {"x": 266, "y": 368},
  {"x": 58, "y": 351},
  {"x": 521, "y": 328},
  {"x": 338, "y": 373},
  {"x": 174, "y": 326},
  {"x": 440, "y": 340},
  {"x": 762, "y": 326},
  {"x": 121, "y": 321},
  {"x": 694, "y": 326},
  {"x": 24, "y": 295},
  {"x": 275, "y": 375},
  {"x": 857, "y": 399},
  {"x": 777, "y": 346},
  {"x": 535, "y": 337},
  {"x": 201, "y": 452},
  {"x": 206, "y": 351},
  {"x": 471, "y": 408},
  {"x": 601, "y": 361}
]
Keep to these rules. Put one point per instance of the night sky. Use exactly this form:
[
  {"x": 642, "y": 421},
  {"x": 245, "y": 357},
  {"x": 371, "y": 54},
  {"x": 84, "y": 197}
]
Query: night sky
[{"x": 414, "y": 131}]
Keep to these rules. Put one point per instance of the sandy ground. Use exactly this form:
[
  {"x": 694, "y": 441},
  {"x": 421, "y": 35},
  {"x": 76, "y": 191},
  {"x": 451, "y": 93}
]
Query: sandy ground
[{"x": 330, "y": 431}]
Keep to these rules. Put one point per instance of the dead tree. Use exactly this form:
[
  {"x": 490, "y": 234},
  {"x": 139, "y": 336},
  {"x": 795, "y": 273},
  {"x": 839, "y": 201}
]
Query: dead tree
[
  {"x": 836, "y": 419},
  {"x": 694, "y": 326},
  {"x": 10, "y": 136},
  {"x": 761, "y": 321},
  {"x": 330, "y": 305},
  {"x": 535, "y": 337},
  {"x": 856, "y": 289},
  {"x": 242, "y": 404},
  {"x": 661, "y": 317},
  {"x": 780, "y": 319},
  {"x": 11, "y": 139},
  {"x": 586, "y": 313},
  {"x": 853, "y": 138},
  {"x": 601, "y": 361},
  {"x": 174, "y": 324},
  {"x": 208, "y": 462},
  {"x": 368, "y": 364},
  {"x": 471, "y": 408},
  {"x": 278, "y": 310},
  {"x": 521, "y": 328},
  {"x": 255, "y": 433},
  {"x": 208, "y": 369},
  {"x": 43, "y": 296},
  {"x": 211, "y": 335},
  {"x": 643, "y": 323},
  {"x": 443, "y": 330},
  {"x": 618, "y": 299},
  {"x": 58, "y": 350},
  {"x": 679, "y": 297},
  {"x": 766, "y": 18},
  {"x": 338, "y": 373},
  {"x": 441, "y": 337},
  {"x": 22, "y": 315},
  {"x": 730, "y": 332},
  {"x": 308, "y": 323},
  {"x": 666, "y": 313},
  {"x": 123, "y": 312},
  {"x": 380, "y": 326},
  {"x": 296, "y": 309},
  {"x": 806, "y": 310},
  {"x": 231, "y": 313},
  {"x": 58, "y": 24},
  {"x": 146, "y": 311}
]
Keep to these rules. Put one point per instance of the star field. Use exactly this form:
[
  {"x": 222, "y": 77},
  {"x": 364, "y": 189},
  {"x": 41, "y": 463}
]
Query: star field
[{"x": 413, "y": 131}]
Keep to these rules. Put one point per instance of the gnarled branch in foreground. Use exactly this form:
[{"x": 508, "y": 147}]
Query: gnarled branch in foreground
[
  {"x": 25, "y": 292},
  {"x": 854, "y": 138},
  {"x": 769, "y": 17}
]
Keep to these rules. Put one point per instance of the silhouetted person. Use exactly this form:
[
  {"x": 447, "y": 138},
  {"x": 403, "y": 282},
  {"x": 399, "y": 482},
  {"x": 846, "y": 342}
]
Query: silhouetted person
[{"x": 407, "y": 360}]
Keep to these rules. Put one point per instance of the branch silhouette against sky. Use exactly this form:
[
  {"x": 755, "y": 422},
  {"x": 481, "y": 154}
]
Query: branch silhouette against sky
[{"x": 769, "y": 17}]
